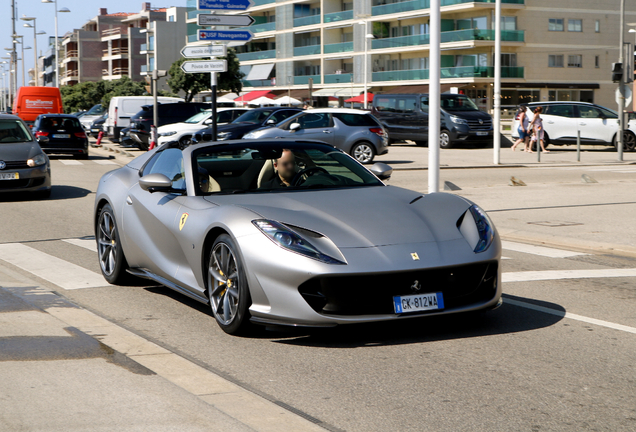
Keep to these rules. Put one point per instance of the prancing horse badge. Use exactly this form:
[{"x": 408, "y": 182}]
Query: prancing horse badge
[{"x": 415, "y": 256}]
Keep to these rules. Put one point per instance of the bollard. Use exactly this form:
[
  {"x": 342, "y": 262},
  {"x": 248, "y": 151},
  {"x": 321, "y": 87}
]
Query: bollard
[
  {"x": 153, "y": 137},
  {"x": 99, "y": 138},
  {"x": 578, "y": 146}
]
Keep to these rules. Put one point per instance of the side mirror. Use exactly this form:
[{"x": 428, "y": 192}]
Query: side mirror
[
  {"x": 43, "y": 140},
  {"x": 207, "y": 122},
  {"x": 270, "y": 122},
  {"x": 381, "y": 170},
  {"x": 155, "y": 183},
  {"x": 294, "y": 126}
]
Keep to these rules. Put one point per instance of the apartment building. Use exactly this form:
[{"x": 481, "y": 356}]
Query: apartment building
[
  {"x": 551, "y": 49},
  {"x": 108, "y": 46}
]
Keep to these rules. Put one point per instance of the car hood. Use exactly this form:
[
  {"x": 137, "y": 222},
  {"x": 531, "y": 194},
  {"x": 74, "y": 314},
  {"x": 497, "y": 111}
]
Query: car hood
[
  {"x": 470, "y": 114},
  {"x": 242, "y": 126},
  {"x": 360, "y": 217},
  {"x": 19, "y": 151}
]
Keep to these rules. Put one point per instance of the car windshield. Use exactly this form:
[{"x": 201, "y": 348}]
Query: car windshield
[
  {"x": 458, "y": 103},
  {"x": 253, "y": 116},
  {"x": 95, "y": 110},
  {"x": 199, "y": 117},
  {"x": 13, "y": 131},
  {"x": 276, "y": 167}
]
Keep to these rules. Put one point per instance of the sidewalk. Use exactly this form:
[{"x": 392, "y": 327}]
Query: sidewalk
[{"x": 64, "y": 368}]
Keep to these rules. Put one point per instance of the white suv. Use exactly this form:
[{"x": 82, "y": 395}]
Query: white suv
[
  {"x": 183, "y": 131},
  {"x": 561, "y": 121}
]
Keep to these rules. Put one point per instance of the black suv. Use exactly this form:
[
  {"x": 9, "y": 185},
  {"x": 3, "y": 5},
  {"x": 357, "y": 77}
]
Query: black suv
[
  {"x": 405, "y": 117},
  {"x": 168, "y": 113},
  {"x": 61, "y": 134},
  {"x": 251, "y": 120}
]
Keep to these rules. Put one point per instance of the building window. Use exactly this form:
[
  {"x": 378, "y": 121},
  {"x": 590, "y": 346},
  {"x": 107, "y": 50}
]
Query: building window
[
  {"x": 555, "y": 60},
  {"x": 575, "y": 25},
  {"x": 508, "y": 60},
  {"x": 555, "y": 24},
  {"x": 596, "y": 61},
  {"x": 575, "y": 61},
  {"x": 597, "y": 26},
  {"x": 508, "y": 23}
]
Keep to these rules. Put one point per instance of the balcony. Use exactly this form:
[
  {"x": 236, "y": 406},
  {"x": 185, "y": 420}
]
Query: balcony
[
  {"x": 342, "y": 78},
  {"x": 256, "y": 83},
  {"x": 407, "y": 6},
  {"x": 338, "y": 16},
  {"x": 145, "y": 48},
  {"x": 270, "y": 26},
  {"x": 114, "y": 33},
  {"x": 308, "y": 20},
  {"x": 338, "y": 47},
  {"x": 115, "y": 51},
  {"x": 144, "y": 69},
  {"x": 193, "y": 37},
  {"x": 194, "y": 13},
  {"x": 262, "y": 2},
  {"x": 119, "y": 71},
  {"x": 307, "y": 50},
  {"x": 304, "y": 79},
  {"x": 446, "y": 37},
  {"x": 452, "y": 72},
  {"x": 257, "y": 55}
]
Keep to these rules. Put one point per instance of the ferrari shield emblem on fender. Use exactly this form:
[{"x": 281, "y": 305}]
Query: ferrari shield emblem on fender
[
  {"x": 415, "y": 256},
  {"x": 182, "y": 221}
]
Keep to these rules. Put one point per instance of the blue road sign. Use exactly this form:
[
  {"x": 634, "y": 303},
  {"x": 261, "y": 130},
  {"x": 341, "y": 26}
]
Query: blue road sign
[
  {"x": 223, "y": 4},
  {"x": 225, "y": 35}
]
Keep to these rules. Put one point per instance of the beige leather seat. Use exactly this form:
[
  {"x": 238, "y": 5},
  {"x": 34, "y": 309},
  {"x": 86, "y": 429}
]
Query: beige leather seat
[{"x": 267, "y": 172}]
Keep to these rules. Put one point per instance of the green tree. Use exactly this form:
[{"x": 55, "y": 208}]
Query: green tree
[
  {"x": 193, "y": 83},
  {"x": 84, "y": 95},
  {"x": 122, "y": 87}
]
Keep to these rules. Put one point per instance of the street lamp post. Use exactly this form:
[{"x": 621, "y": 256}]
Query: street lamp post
[
  {"x": 57, "y": 62},
  {"x": 367, "y": 36},
  {"x": 35, "y": 44}
]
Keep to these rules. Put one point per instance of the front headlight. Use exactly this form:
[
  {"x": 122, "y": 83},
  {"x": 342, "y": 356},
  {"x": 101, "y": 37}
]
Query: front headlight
[
  {"x": 37, "y": 161},
  {"x": 167, "y": 133},
  {"x": 458, "y": 120},
  {"x": 250, "y": 135},
  {"x": 477, "y": 229},
  {"x": 222, "y": 136},
  {"x": 292, "y": 241}
]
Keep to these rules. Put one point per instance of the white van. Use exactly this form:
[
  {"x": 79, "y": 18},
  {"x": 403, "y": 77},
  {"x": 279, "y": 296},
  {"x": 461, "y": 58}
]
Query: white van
[{"x": 121, "y": 108}]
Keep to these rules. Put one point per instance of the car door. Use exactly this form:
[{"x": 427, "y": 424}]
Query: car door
[
  {"x": 596, "y": 124},
  {"x": 149, "y": 219},
  {"x": 315, "y": 126},
  {"x": 409, "y": 118},
  {"x": 560, "y": 123}
]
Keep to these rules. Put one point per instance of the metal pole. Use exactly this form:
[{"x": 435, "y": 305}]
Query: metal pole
[
  {"x": 14, "y": 79},
  {"x": 621, "y": 84},
  {"x": 213, "y": 88},
  {"x": 434, "y": 102},
  {"x": 497, "y": 95},
  {"x": 57, "y": 61},
  {"x": 23, "y": 73},
  {"x": 155, "y": 113},
  {"x": 366, "y": 67},
  {"x": 35, "y": 53},
  {"x": 578, "y": 146}
]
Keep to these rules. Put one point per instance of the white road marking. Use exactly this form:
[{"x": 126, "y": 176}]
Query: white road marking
[
  {"x": 569, "y": 315},
  {"x": 87, "y": 244},
  {"x": 104, "y": 162},
  {"x": 530, "y": 276},
  {"x": 539, "y": 250},
  {"x": 70, "y": 162},
  {"x": 62, "y": 273}
]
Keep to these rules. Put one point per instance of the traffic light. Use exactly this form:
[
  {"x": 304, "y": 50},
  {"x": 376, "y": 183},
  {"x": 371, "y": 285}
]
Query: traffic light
[{"x": 617, "y": 72}]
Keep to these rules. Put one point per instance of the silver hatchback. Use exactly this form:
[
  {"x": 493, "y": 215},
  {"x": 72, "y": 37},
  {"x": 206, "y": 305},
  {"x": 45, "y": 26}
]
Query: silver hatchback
[{"x": 354, "y": 131}]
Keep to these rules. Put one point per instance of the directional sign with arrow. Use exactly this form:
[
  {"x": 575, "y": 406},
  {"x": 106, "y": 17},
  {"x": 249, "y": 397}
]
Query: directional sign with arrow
[
  {"x": 224, "y": 20},
  {"x": 225, "y": 35},
  {"x": 204, "y": 51},
  {"x": 201, "y": 66},
  {"x": 223, "y": 4}
]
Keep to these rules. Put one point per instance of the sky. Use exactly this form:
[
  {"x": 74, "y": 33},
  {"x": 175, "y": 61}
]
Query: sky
[{"x": 81, "y": 12}]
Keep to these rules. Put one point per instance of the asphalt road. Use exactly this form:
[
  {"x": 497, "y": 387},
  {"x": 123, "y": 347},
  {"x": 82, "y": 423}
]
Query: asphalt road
[{"x": 558, "y": 355}]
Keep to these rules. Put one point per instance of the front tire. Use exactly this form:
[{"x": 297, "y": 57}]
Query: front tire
[
  {"x": 363, "y": 152},
  {"x": 112, "y": 261},
  {"x": 629, "y": 141},
  {"x": 445, "y": 140},
  {"x": 228, "y": 291}
]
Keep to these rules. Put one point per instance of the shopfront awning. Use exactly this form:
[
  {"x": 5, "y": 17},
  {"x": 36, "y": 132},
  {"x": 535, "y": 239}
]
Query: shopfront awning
[
  {"x": 345, "y": 92},
  {"x": 260, "y": 72},
  {"x": 254, "y": 95}
]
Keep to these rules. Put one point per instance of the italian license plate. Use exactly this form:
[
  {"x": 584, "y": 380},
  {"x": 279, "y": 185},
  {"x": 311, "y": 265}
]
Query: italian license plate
[
  {"x": 10, "y": 176},
  {"x": 482, "y": 133},
  {"x": 418, "y": 302},
  {"x": 61, "y": 135}
]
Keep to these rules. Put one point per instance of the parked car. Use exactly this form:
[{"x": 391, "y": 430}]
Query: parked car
[
  {"x": 562, "y": 121},
  {"x": 97, "y": 125},
  {"x": 30, "y": 102},
  {"x": 405, "y": 117},
  {"x": 24, "y": 167},
  {"x": 356, "y": 132},
  {"x": 168, "y": 113},
  {"x": 253, "y": 119},
  {"x": 61, "y": 134},
  {"x": 91, "y": 115},
  {"x": 122, "y": 108},
  {"x": 183, "y": 131}
]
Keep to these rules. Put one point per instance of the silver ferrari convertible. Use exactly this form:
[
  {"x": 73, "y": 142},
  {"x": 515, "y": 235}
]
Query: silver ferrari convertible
[{"x": 293, "y": 233}]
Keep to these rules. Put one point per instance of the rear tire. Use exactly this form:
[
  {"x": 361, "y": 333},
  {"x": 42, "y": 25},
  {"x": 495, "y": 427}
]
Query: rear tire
[
  {"x": 445, "y": 140},
  {"x": 629, "y": 141},
  {"x": 363, "y": 152},
  {"x": 112, "y": 261}
]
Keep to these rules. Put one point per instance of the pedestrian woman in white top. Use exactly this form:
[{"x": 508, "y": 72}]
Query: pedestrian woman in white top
[
  {"x": 522, "y": 130},
  {"x": 537, "y": 127}
]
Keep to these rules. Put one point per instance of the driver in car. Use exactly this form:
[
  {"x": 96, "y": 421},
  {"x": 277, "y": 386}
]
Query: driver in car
[{"x": 285, "y": 167}]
